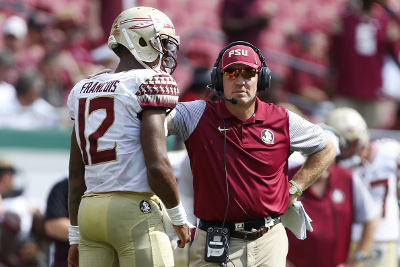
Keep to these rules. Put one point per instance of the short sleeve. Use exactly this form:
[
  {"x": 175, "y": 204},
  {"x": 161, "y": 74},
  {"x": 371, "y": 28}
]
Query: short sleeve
[
  {"x": 70, "y": 104},
  {"x": 306, "y": 137},
  {"x": 160, "y": 90},
  {"x": 185, "y": 117}
]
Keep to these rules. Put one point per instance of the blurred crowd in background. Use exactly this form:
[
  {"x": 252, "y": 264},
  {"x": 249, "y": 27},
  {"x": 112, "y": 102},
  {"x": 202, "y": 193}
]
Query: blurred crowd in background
[{"x": 47, "y": 46}]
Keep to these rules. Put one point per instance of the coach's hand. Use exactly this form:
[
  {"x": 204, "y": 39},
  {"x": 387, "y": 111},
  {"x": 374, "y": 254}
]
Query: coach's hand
[
  {"x": 73, "y": 256},
  {"x": 292, "y": 200},
  {"x": 184, "y": 234}
]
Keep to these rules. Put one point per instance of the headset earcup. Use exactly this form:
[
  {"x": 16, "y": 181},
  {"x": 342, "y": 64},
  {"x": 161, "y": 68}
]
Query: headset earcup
[
  {"x": 213, "y": 77},
  {"x": 216, "y": 79},
  {"x": 264, "y": 79},
  {"x": 220, "y": 87}
]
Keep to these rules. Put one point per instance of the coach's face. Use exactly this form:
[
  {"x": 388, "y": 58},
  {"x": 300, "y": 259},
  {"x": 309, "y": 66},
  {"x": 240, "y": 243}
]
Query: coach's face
[{"x": 240, "y": 81}]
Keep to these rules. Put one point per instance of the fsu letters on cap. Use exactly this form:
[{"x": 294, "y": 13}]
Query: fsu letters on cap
[{"x": 240, "y": 54}]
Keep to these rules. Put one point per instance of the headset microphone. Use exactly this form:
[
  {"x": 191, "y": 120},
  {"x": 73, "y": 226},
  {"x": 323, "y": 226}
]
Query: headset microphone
[{"x": 233, "y": 100}]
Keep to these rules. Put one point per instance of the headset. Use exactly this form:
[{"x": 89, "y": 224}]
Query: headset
[{"x": 264, "y": 76}]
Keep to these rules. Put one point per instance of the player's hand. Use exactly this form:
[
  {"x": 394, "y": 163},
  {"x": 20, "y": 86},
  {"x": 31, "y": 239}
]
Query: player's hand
[
  {"x": 73, "y": 256},
  {"x": 184, "y": 234}
]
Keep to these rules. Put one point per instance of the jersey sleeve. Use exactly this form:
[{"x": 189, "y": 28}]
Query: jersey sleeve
[
  {"x": 159, "y": 90},
  {"x": 305, "y": 136},
  {"x": 70, "y": 104}
]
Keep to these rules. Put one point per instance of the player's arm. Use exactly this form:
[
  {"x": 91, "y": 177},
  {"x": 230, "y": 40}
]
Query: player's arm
[
  {"x": 76, "y": 189},
  {"x": 57, "y": 228},
  {"x": 56, "y": 222},
  {"x": 366, "y": 212},
  {"x": 366, "y": 242},
  {"x": 76, "y": 181},
  {"x": 159, "y": 171}
]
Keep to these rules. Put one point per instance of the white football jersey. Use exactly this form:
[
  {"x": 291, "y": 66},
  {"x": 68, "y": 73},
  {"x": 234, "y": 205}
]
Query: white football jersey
[
  {"x": 105, "y": 109},
  {"x": 381, "y": 176}
]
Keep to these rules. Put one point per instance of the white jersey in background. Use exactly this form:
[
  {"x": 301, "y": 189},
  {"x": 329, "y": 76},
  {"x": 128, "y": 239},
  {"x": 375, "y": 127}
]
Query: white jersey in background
[
  {"x": 105, "y": 109},
  {"x": 381, "y": 176}
]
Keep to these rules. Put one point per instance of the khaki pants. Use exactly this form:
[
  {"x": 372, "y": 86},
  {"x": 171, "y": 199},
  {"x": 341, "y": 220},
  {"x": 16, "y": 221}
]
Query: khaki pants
[
  {"x": 114, "y": 231},
  {"x": 270, "y": 250}
]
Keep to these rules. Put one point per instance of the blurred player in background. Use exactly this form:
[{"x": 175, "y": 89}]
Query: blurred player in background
[
  {"x": 334, "y": 201},
  {"x": 377, "y": 163},
  {"x": 22, "y": 235},
  {"x": 118, "y": 163},
  {"x": 360, "y": 39},
  {"x": 57, "y": 223}
]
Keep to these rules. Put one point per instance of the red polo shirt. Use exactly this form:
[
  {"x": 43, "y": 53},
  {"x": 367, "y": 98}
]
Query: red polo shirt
[
  {"x": 332, "y": 216},
  {"x": 256, "y": 163}
]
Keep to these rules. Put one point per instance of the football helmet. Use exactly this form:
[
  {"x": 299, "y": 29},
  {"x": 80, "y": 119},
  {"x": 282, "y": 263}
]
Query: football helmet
[
  {"x": 349, "y": 124},
  {"x": 147, "y": 33}
]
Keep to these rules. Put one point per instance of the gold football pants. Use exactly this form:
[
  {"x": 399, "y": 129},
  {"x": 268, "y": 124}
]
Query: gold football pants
[{"x": 122, "y": 229}]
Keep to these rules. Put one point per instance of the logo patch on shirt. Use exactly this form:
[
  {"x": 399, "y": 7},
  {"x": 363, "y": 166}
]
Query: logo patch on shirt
[
  {"x": 337, "y": 196},
  {"x": 267, "y": 136},
  {"x": 145, "y": 206}
]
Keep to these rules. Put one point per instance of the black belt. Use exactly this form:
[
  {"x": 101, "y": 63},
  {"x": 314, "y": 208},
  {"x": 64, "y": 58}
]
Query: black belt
[
  {"x": 251, "y": 235},
  {"x": 257, "y": 224}
]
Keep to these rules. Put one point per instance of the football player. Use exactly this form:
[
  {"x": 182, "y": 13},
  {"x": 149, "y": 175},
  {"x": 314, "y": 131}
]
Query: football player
[
  {"x": 119, "y": 167},
  {"x": 377, "y": 163}
]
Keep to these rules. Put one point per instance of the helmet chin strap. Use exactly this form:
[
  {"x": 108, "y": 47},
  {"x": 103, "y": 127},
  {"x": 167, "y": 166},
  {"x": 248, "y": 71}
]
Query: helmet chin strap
[
  {"x": 132, "y": 49},
  {"x": 157, "y": 28},
  {"x": 159, "y": 63},
  {"x": 157, "y": 41}
]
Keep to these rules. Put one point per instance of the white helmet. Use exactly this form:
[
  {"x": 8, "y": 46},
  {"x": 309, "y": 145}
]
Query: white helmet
[
  {"x": 349, "y": 124},
  {"x": 147, "y": 33}
]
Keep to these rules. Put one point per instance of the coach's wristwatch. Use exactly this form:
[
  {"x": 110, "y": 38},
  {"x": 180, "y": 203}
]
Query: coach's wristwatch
[
  {"x": 294, "y": 189},
  {"x": 359, "y": 255}
]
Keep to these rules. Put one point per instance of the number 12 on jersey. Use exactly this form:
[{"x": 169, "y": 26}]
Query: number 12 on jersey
[{"x": 95, "y": 155}]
